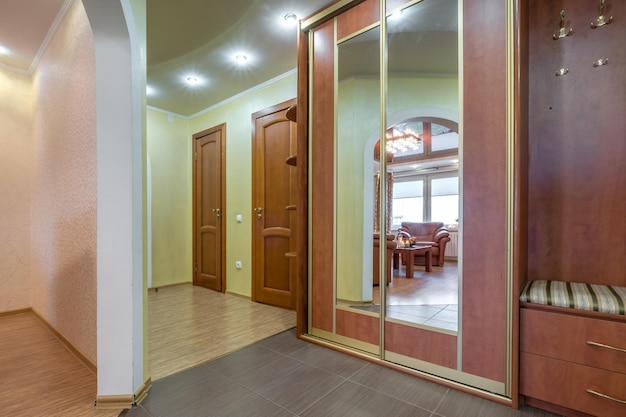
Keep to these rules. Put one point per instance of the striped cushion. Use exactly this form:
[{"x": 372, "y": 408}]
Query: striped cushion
[{"x": 602, "y": 298}]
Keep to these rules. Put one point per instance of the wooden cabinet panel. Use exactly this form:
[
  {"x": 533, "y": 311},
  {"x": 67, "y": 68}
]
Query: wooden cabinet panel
[
  {"x": 565, "y": 337},
  {"x": 566, "y": 384},
  {"x": 322, "y": 183},
  {"x": 484, "y": 189}
]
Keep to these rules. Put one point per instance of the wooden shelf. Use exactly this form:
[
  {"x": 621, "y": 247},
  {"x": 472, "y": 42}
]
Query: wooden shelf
[
  {"x": 291, "y": 160},
  {"x": 292, "y": 113},
  {"x": 293, "y": 207},
  {"x": 291, "y": 254}
]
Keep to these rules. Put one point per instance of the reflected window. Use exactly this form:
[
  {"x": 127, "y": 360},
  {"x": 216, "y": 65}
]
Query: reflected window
[{"x": 426, "y": 198}]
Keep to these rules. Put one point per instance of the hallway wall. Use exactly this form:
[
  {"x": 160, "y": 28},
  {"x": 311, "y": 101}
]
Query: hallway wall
[
  {"x": 16, "y": 164},
  {"x": 169, "y": 148},
  {"x": 237, "y": 114},
  {"x": 63, "y": 211}
]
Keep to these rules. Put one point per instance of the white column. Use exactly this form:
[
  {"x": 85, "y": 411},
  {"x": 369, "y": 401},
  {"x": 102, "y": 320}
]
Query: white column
[{"x": 119, "y": 158}]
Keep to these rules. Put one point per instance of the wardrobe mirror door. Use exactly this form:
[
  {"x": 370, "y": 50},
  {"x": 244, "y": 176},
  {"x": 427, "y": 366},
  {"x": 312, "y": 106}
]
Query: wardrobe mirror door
[
  {"x": 423, "y": 160},
  {"x": 357, "y": 118}
]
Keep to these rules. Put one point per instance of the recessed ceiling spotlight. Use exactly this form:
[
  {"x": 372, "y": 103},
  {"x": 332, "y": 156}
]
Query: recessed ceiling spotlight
[
  {"x": 241, "y": 59},
  {"x": 192, "y": 80},
  {"x": 4, "y": 50},
  {"x": 290, "y": 18}
]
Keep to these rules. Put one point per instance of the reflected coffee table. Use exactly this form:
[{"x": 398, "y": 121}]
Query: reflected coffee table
[{"x": 408, "y": 256}]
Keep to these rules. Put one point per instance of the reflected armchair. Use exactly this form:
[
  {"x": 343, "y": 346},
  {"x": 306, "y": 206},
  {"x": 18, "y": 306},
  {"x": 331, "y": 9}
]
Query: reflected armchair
[{"x": 434, "y": 234}]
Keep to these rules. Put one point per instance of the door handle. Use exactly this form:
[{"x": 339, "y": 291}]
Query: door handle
[
  {"x": 259, "y": 211},
  {"x": 217, "y": 211}
]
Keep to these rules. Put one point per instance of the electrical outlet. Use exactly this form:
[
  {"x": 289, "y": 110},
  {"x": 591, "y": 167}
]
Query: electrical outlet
[{"x": 238, "y": 264}]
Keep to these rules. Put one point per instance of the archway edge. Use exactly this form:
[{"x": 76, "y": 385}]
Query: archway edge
[{"x": 120, "y": 339}]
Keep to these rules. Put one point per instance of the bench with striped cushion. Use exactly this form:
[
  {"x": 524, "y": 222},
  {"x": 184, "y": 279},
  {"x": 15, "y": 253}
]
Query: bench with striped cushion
[{"x": 591, "y": 297}]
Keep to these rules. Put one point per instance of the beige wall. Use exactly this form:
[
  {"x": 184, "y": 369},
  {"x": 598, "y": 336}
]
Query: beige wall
[
  {"x": 16, "y": 165},
  {"x": 63, "y": 210}
]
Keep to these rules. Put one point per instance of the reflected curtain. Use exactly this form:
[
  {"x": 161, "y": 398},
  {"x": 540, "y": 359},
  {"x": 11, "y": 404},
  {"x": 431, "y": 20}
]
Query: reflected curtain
[{"x": 389, "y": 202}]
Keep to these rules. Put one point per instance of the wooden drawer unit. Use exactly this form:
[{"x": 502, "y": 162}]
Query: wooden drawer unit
[
  {"x": 588, "y": 341},
  {"x": 573, "y": 361},
  {"x": 568, "y": 385}
]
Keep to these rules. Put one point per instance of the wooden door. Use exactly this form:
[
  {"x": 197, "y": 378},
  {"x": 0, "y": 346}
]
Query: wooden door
[
  {"x": 274, "y": 219},
  {"x": 208, "y": 203}
]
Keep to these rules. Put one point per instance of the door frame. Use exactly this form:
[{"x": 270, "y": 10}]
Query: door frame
[{"x": 222, "y": 129}]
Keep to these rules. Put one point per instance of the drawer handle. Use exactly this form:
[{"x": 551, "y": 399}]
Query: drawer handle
[
  {"x": 590, "y": 391},
  {"x": 589, "y": 342}
]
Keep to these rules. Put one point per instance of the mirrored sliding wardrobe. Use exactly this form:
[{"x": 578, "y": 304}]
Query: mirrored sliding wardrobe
[{"x": 408, "y": 185}]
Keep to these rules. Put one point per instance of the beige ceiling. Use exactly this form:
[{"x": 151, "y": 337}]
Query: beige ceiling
[
  {"x": 185, "y": 37},
  {"x": 24, "y": 29},
  {"x": 201, "y": 38}
]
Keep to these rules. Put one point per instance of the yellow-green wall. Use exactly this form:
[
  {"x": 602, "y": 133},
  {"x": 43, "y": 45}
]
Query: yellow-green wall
[
  {"x": 169, "y": 165},
  {"x": 169, "y": 150}
]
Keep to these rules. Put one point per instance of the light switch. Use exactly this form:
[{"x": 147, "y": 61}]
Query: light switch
[{"x": 239, "y": 218}]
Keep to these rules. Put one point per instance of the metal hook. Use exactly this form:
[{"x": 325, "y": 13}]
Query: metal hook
[
  {"x": 601, "y": 21},
  {"x": 562, "y": 31},
  {"x": 562, "y": 72},
  {"x": 600, "y": 62}
]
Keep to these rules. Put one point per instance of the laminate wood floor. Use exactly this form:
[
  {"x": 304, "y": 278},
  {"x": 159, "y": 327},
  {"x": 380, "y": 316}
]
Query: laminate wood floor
[
  {"x": 190, "y": 325},
  {"x": 40, "y": 377},
  {"x": 285, "y": 376}
]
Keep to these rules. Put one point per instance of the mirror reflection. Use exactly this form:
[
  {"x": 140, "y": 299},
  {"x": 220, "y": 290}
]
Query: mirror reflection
[
  {"x": 358, "y": 115},
  {"x": 423, "y": 194}
]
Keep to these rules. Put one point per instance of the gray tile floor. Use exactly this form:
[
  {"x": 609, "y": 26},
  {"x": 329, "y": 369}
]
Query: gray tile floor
[{"x": 285, "y": 376}]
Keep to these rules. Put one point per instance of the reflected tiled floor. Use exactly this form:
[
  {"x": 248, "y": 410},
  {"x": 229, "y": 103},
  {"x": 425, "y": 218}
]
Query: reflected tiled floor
[
  {"x": 285, "y": 376},
  {"x": 442, "y": 316}
]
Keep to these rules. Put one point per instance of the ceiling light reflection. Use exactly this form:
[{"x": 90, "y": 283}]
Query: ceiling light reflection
[{"x": 290, "y": 18}]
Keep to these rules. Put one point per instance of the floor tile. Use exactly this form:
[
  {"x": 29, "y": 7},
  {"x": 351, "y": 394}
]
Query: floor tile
[
  {"x": 404, "y": 387},
  {"x": 332, "y": 361},
  {"x": 354, "y": 400},
  {"x": 244, "y": 361},
  {"x": 300, "y": 388},
  {"x": 459, "y": 404},
  {"x": 285, "y": 342},
  {"x": 135, "y": 412},
  {"x": 262, "y": 377}
]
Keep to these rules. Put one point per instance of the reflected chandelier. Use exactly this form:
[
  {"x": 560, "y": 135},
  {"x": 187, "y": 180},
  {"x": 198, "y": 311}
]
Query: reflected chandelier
[{"x": 403, "y": 142}]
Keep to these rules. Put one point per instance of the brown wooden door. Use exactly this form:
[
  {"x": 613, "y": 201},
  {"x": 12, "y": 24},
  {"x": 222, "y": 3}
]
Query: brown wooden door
[
  {"x": 274, "y": 216},
  {"x": 208, "y": 196}
]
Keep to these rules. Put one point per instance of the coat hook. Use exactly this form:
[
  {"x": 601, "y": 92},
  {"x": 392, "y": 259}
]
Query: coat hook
[
  {"x": 601, "y": 21},
  {"x": 561, "y": 72},
  {"x": 600, "y": 62},
  {"x": 562, "y": 31}
]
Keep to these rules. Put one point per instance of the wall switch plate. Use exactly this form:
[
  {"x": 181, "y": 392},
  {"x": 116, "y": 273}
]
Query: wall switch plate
[
  {"x": 239, "y": 218},
  {"x": 238, "y": 264}
]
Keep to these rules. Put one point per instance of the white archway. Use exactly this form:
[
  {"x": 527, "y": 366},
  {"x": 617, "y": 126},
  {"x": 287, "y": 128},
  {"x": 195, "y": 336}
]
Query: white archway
[{"x": 120, "y": 86}]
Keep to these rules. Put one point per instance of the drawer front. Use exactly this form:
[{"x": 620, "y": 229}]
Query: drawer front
[
  {"x": 566, "y": 384},
  {"x": 594, "y": 342}
]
